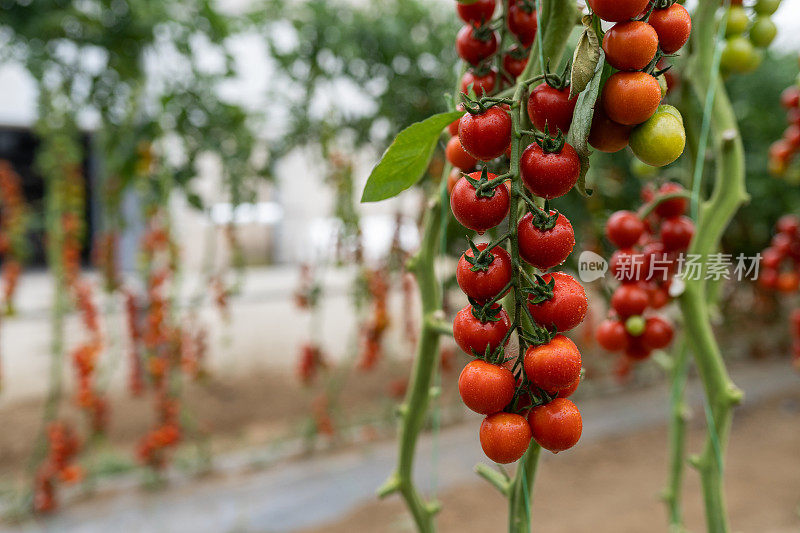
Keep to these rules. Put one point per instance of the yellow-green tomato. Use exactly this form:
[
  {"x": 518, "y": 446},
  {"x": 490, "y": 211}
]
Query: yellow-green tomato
[
  {"x": 660, "y": 140},
  {"x": 739, "y": 55},
  {"x": 738, "y": 21},
  {"x": 671, "y": 109},
  {"x": 763, "y": 32},
  {"x": 766, "y": 7}
]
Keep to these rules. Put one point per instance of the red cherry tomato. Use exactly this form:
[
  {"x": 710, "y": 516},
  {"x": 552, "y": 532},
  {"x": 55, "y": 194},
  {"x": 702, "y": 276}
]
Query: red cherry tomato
[
  {"x": 629, "y": 300},
  {"x": 548, "y": 248},
  {"x": 556, "y": 426},
  {"x": 554, "y": 365},
  {"x": 792, "y": 136},
  {"x": 473, "y": 49},
  {"x": 788, "y": 224},
  {"x": 636, "y": 349},
  {"x": 611, "y": 335},
  {"x": 673, "y": 207},
  {"x": 547, "y": 174},
  {"x": 630, "y": 45},
  {"x": 485, "y": 135},
  {"x": 522, "y": 22},
  {"x": 453, "y": 127},
  {"x": 482, "y": 84},
  {"x": 617, "y": 10},
  {"x": 567, "y": 391},
  {"x": 566, "y": 309},
  {"x": 452, "y": 179},
  {"x": 486, "y": 388},
  {"x": 457, "y": 156},
  {"x": 553, "y": 107},
  {"x": 505, "y": 437},
  {"x": 630, "y": 98},
  {"x": 768, "y": 279},
  {"x": 677, "y": 233},
  {"x": 512, "y": 64},
  {"x": 478, "y": 213},
  {"x": 606, "y": 135},
  {"x": 473, "y": 336},
  {"x": 483, "y": 285},
  {"x": 476, "y": 13},
  {"x": 790, "y": 97},
  {"x": 624, "y": 229},
  {"x": 673, "y": 26},
  {"x": 658, "y": 333},
  {"x": 788, "y": 282}
]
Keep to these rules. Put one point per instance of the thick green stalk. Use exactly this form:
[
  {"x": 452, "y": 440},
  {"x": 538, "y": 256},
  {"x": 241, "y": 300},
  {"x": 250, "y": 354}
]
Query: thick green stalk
[
  {"x": 678, "y": 417},
  {"x": 714, "y": 215},
  {"x": 414, "y": 409}
]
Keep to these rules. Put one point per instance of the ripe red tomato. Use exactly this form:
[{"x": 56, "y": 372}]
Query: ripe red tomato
[
  {"x": 788, "y": 224},
  {"x": 566, "y": 309},
  {"x": 630, "y": 45},
  {"x": 673, "y": 207},
  {"x": 617, "y": 10},
  {"x": 522, "y": 22},
  {"x": 478, "y": 213},
  {"x": 611, "y": 335},
  {"x": 636, "y": 349},
  {"x": 485, "y": 135},
  {"x": 673, "y": 26},
  {"x": 629, "y": 300},
  {"x": 659, "y": 296},
  {"x": 473, "y": 336},
  {"x": 606, "y": 135},
  {"x": 677, "y": 233},
  {"x": 545, "y": 249},
  {"x": 486, "y": 388},
  {"x": 657, "y": 334},
  {"x": 483, "y": 285},
  {"x": 482, "y": 83},
  {"x": 473, "y": 49},
  {"x": 567, "y": 391},
  {"x": 505, "y": 437},
  {"x": 552, "y": 107},
  {"x": 453, "y": 127},
  {"x": 624, "y": 229},
  {"x": 790, "y": 97},
  {"x": 772, "y": 258},
  {"x": 788, "y": 281},
  {"x": 556, "y": 426},
  {"x": 457, "y": 156},
  {"x": 513, "y": 64},
  {"x": 549, "y": 174},
  {"x": 630, "y": 98},
  {"x": 452, "y": 179},
  {"x": 554, "y": 365},
  {"x": 477, "y": 12},
  {"x": 792, "y": 136}
]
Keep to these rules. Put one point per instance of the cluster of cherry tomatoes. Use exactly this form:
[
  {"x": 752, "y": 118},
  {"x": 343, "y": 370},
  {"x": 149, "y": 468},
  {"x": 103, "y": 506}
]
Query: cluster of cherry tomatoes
[
  {"x": 12, "y": 232},
  {"x": 780, "y": 261},
  {"x": 783, "y": 151},
  {"x": 63, "y": 445},
  {"x": 629, "y": 112},
  {"x": 644, "y": 263},
  {"x": 742, "y": 53},
  {"x": 477, "y": 43}
]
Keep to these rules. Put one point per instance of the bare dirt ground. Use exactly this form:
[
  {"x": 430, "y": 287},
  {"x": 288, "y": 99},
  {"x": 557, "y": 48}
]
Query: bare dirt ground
[{"x": 612, "y": 485}]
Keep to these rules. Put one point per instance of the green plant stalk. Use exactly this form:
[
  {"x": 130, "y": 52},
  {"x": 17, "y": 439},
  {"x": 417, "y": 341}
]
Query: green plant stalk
[
  {"x": 714, "y": 214},
  {"x": 678, "y": 418},
  {"x": 414, "y": 408}
]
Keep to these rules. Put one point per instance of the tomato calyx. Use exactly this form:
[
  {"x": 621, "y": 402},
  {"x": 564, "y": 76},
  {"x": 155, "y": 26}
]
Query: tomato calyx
[
  {"x": 484, "y": 187},
  {"x": 528, "y": 6},
  {"x": 483, "y": 32},
  {"x": 480, "y": 259},
  {"x": 478, "y": 106},
  {"x": 550, "y": 144},
  {"x": 518, "y": 52},
  {"x": 558, "y": 82},
  {"x": 542, "y": 219},
  {"x": 488, "y": 312},
  {"x": 539, "y": 290}
]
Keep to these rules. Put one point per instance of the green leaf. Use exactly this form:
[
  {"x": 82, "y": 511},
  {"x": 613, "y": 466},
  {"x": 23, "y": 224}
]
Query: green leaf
[
  {"x": 406, "y": 159},
  {"x": 578, "y": 135},
  {"x": 585, "y": 58}
]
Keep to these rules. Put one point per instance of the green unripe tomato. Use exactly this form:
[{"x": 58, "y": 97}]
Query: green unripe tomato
[
  {"x": 763, "y": 32},
  {"x": 659, "y": 140},
  {"x": 738, "y": 21},
  {"x": 738, "y": 55},
  {"x": 671, "y": 109},
  {"x": 767, "y": 7},
  {"x": 642, "y": 170},
  {"x": 635, "y": 325}
]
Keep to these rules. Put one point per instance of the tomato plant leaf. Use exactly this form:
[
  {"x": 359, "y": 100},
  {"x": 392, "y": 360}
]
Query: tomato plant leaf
[
  {"x": 578, "y": 135},
  {"x": 585, "y": 58},
  {"x": 406, "y": 159}
]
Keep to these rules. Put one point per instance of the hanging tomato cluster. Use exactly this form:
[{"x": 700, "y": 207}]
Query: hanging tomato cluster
[
  {"x": 13, "y": 225},
  {"x": 629, "y": 112},
  {"x": 780, "y": 261},
  {"x": 743, "y": 53},
  {"x": 644, "y": 263},
  {"x": 63, "y": 445},
  {"x": 783, "y": 151},
  {"x": 374, "y": 329}
]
